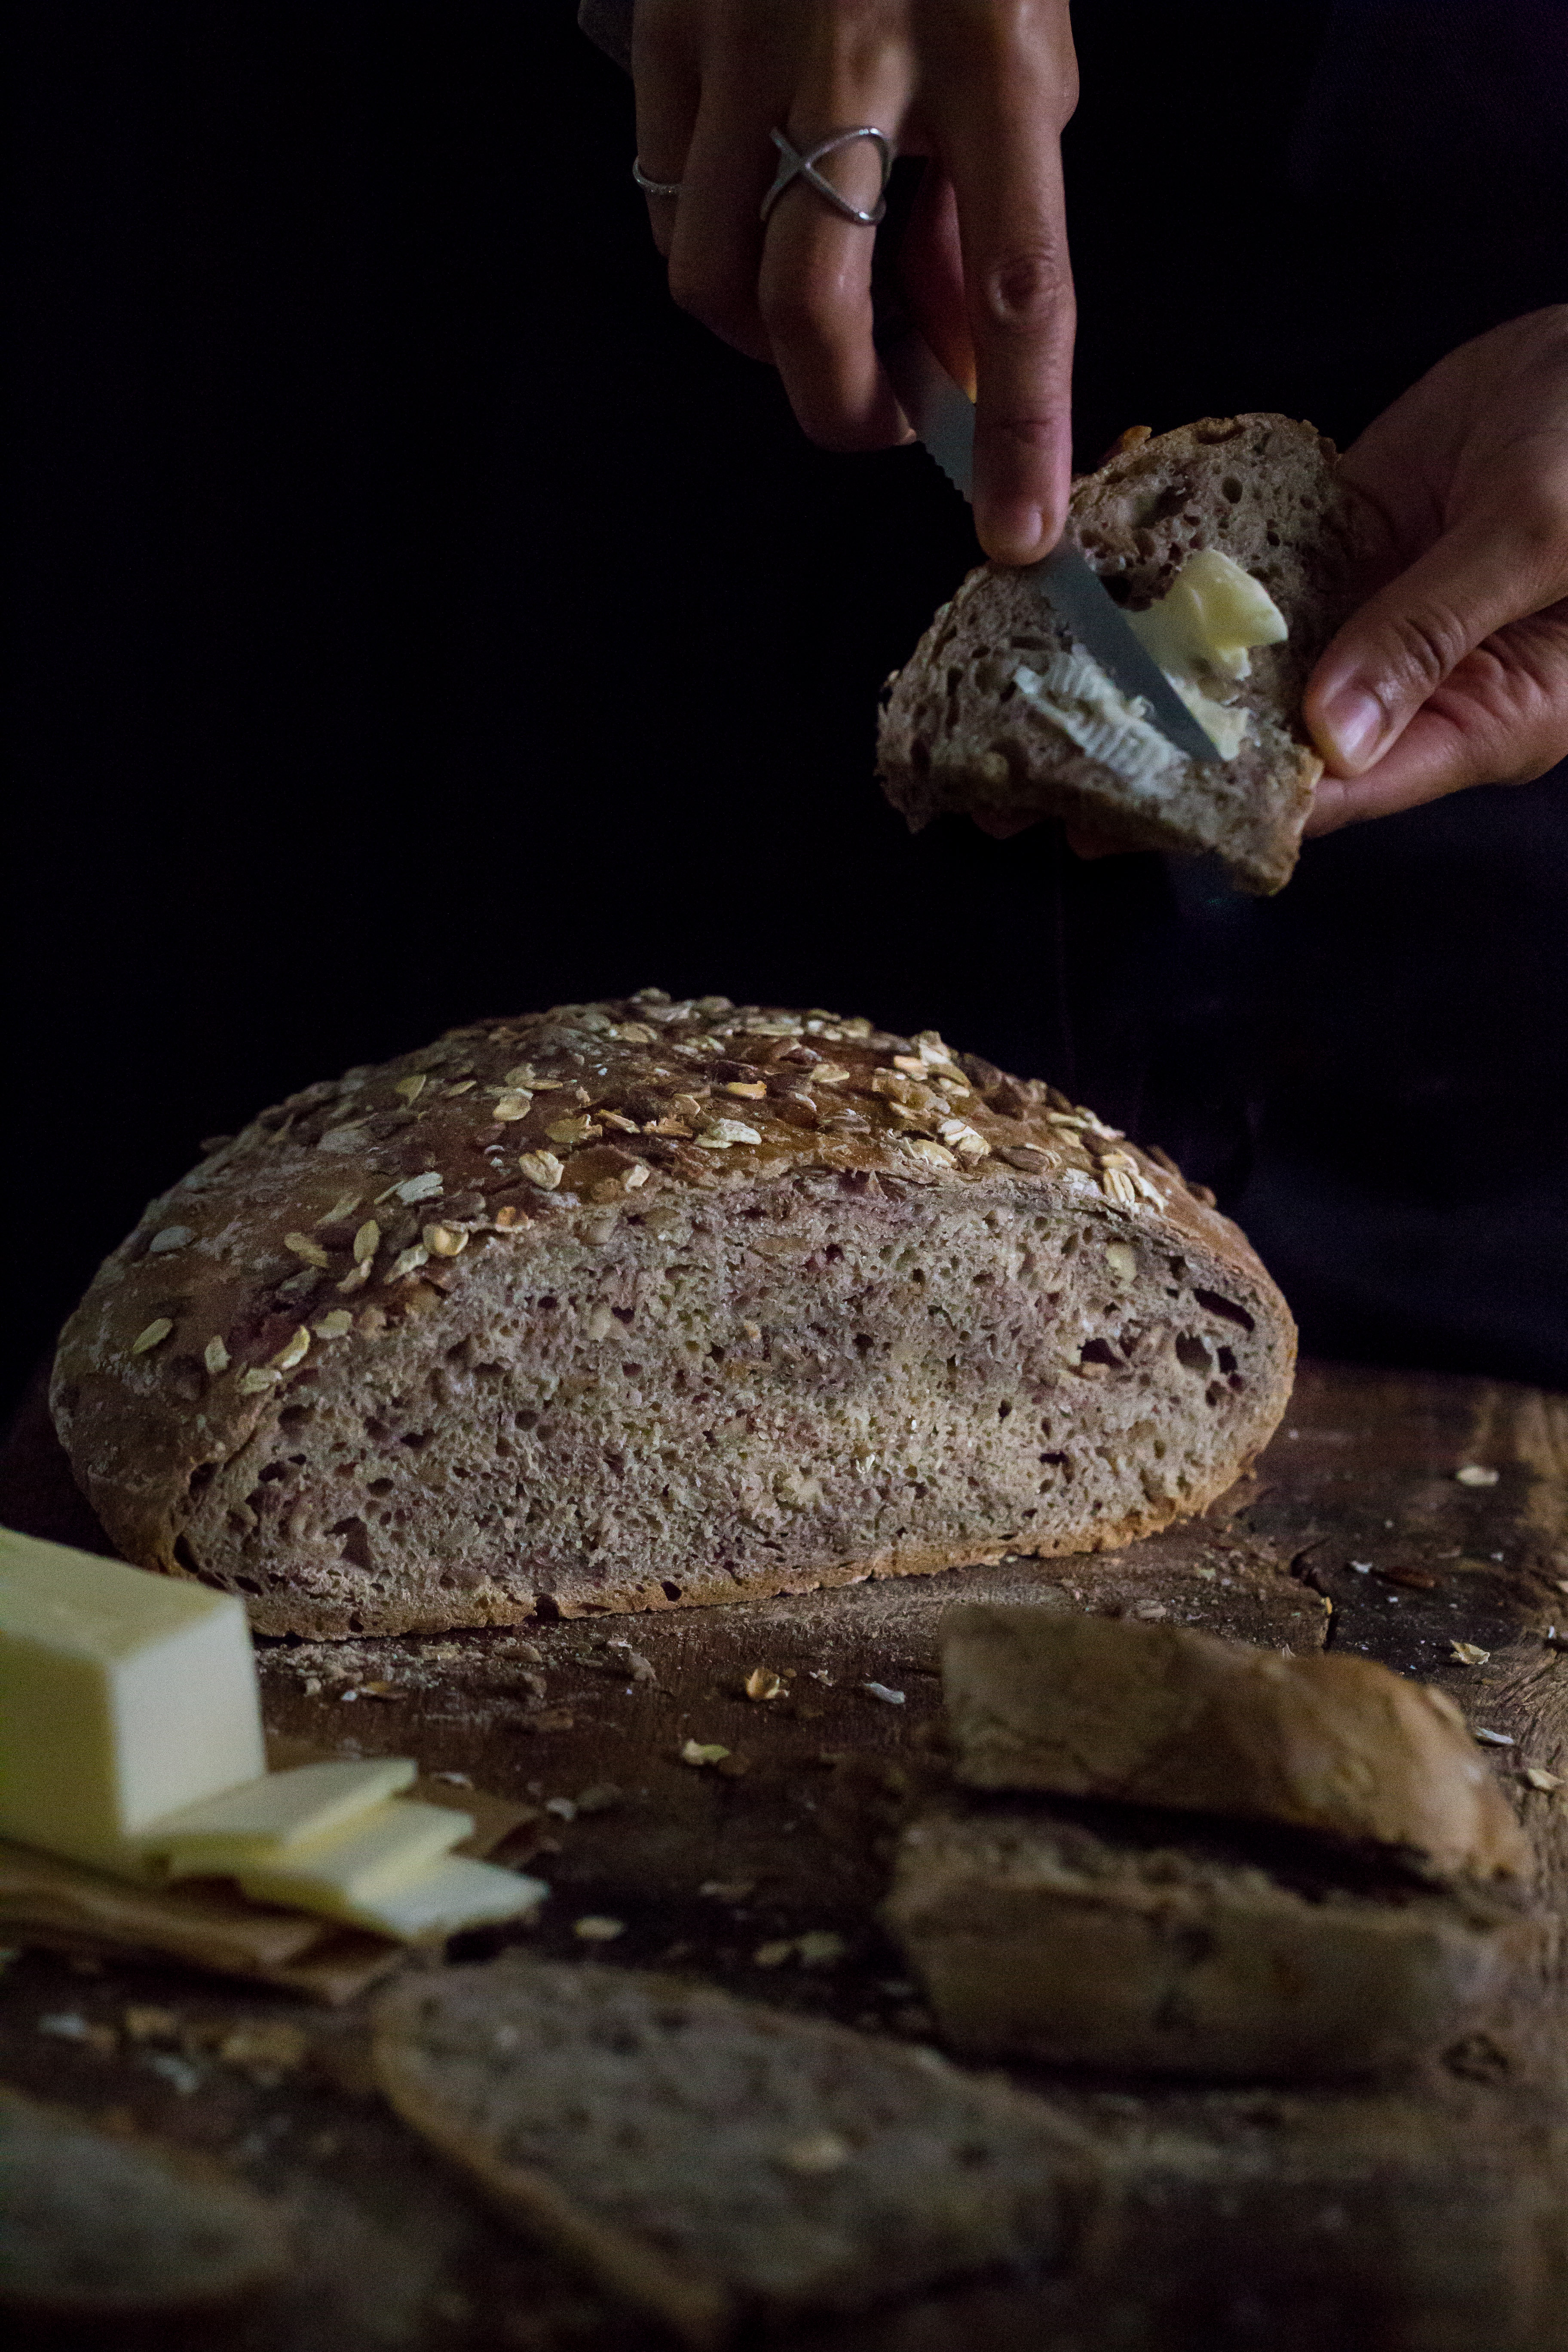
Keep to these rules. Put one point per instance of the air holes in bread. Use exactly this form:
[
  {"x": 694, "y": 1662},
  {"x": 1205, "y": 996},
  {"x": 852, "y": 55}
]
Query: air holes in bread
[{"x": 1226, "y": 1308}]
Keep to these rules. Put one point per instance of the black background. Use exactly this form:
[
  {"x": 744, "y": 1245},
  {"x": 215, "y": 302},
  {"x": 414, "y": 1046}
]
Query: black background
[{"x": 418, "y": 618}]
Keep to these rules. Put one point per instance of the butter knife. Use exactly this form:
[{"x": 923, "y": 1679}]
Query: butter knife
[{"x": 943, "y": 416}]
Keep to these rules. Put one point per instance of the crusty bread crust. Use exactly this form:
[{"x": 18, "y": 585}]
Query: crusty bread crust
[
  {"x": 956, "y": 735},
  {"x": 642, "y": 1304}
]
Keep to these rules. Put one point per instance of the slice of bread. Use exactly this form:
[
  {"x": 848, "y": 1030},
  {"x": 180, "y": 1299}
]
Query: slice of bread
[
  {"x": 1162, "y": 1716},
  {"x": 960, "y": 732},
  {"x": 708, "y": 2157},
  {"x": 1102, "y": 1941},
  {"x": 95, "y": 2228}
]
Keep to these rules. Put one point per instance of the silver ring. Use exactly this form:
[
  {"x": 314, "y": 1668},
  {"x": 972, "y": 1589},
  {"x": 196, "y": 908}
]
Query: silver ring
[
  {"x": 653, "y": 188},
  {"x": 793, "y": 166}
]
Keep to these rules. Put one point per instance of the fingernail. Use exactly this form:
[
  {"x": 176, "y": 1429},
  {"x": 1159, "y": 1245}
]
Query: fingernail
[
  {"x": 1016, "y": 532},
  {"x": 1353, "y": 720}
]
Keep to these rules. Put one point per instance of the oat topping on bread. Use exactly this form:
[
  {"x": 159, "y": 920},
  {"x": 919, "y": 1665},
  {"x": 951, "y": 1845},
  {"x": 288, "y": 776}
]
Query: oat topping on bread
[{"x": 647, "y": 1304}]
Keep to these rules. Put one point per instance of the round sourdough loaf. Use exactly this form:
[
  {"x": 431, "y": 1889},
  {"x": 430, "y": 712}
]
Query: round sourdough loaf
[{"x": 642, "y": 1304}]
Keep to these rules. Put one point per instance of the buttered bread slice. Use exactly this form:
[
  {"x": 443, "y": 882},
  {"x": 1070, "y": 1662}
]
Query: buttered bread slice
[{"x": 1233, "y": 547}]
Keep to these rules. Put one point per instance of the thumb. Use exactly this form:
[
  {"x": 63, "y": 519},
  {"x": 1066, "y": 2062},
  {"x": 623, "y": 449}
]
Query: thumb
[{"x": 1389, "y": 656}]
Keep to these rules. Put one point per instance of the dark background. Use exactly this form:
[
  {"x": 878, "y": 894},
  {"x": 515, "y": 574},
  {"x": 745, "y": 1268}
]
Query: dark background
[{"x": 417, "y": 618}]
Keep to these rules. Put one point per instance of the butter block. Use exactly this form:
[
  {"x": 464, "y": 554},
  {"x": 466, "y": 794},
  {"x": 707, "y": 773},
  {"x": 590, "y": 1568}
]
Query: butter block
[
  {"x": 266, "y": 1820},
  {"x": 123, "y": 1696},
  {"x": 446, "y": 1898},
  {"x": 1211, "y": 616},
  {"x": 367, "y": 1858}
]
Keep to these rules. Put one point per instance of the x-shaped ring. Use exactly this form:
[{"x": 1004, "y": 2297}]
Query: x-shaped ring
[{"x": 793, "y": 166}]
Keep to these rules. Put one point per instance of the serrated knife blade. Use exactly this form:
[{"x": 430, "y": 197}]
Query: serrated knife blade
[{"x": 943, "y": 416}]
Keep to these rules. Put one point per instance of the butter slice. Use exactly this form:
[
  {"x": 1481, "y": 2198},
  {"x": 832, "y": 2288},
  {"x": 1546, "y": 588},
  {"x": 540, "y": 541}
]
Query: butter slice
[
  {"x": 1210, "y": 617},
  {"x": 367, "y": 1858},
  {"x": 123, "y": 1696},
  {"x": 270, "y": 1819},
  {"x": 445, "y": 1899}
]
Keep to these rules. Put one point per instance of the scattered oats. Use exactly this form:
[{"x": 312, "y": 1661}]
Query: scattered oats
[
  {"x": 830, "y": 1074},
  {"x": 541, "y": 1168},
  {"x": 599, "y": 1797},
  {"x": 507, "y": 1216},
  {"x": 519, "y": 1075},
  {"x": 1467, "y": 1654},
  {"x": 445, "y": 1240},
  {"x": 923, "y": 1148},
  {"x": 755, "y": 1088},
  {"x": 303, "y": 1246},
  {"x": 427, "y": 1186},
  {"x": 355, "y": 1279},
  {"x": 178, "y": 2072},
  {"x": 215, "y": 1356},
  {"x": 343, "y": 1139},
  {"x": 719, "y": 1134},
  {"x": 259, "y": 1378},
  {"x": 821, "y": 2151},
  {"x": 727, "y": 1890},
  {"x": 343, "y": 1206},
  {"x": 149, "y": 2025},
  {"x": 367, "y": 1241},
  {"x": 1473, "y": 1474},
  {"x": 820, "y": 1948},
  {"x": 513, "y": 1105},
  {"x": 773, "y": 1956},
  {"x": 380, "y": 1690},
  {"x": 613, "y": 1118},
  {"x": 697, "y": 1752},
  {"x": 562, "y": 1807},
  {"x": 880, "y": 1690},
  {"x": 269, "y": 2046},
  {"x": 762, "y": 1683},
  {"x": 596, "y": 1929},
  {"x": 462, "y": 1087},
  {"x": 633, "y": 1033},
  {"x": 1539, "y": 1777},
  {"x": 152, "y": 1337},
  {"x": 335, "y": 1326},
  {"x": 172, "y": 1237},
  {"x": 1361, "y": 1567},
  {"x": 1118, "y": 1186},
  {"x": 411, "y": 1088},
  {"x": 293, "y": 1351},
  {"x": 1492, "y": 1738},
  {"x": 311, "y": 1686},
  {"x": 573, "y": 1130},
  {"x": 912, "y": 1062},
  {"x": 409, "y": 1261},
  {"x": 636, "y": 1175}
]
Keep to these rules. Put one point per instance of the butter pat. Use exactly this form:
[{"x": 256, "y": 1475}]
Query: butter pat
[
  {"x": 1077, "y": 696},
  {"x": 445, "y": 1899},
  {"x": 1210, "y": 617},
  {"x": 269, "y": 1820},
  {"x": 123, "y": 1696},
  {"x": 369, "y": 1857}
]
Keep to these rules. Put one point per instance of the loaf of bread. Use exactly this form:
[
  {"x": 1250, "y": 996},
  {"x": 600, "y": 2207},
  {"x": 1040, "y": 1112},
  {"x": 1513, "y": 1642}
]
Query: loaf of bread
[
  {"x": 713, "y": 2159},
  {"x": 642, "y": 1304},
  {"x": 1162, "y": 1715},
  {"x": 95, "y": 2229},
  {"x": 996, "y": 713},
  {"x": 1105, "y": 1942}
]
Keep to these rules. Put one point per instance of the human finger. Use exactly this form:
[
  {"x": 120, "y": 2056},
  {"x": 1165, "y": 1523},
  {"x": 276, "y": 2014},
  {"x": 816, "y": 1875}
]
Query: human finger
[
  {"x": 1494, "y": 567},
  {"x": 715, "y": 255},
  {"x": 668, "y": 86},
  {"x": 1001, "y": 86},
  {"x": 815, "y": 289},
  {"x": 1499, "y": 718}
]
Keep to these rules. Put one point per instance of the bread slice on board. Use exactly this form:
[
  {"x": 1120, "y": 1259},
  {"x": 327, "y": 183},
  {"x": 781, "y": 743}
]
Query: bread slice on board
[
  {"x": 646, "y": 1305},
  {"x": 1133, "y": 1942},
  {"x": 967, "y": 727},
  {"x": 710, "y": 2159},
  {"x": 94, "y": 2228},
  {"x": 1162, "y": 1716}
]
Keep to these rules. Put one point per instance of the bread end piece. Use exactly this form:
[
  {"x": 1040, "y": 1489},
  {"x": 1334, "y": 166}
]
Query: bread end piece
[
  {"x": 957, "y": 733},
  {"x": 1162, "y": 1716}
]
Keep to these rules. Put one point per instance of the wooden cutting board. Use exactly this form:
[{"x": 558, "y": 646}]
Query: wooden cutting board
[{"x": 1432, "y": 2217}]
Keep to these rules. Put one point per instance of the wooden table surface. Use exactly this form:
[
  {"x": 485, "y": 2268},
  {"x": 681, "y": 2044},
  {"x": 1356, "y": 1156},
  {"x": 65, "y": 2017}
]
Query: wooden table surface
[{"x": 1429, "y": 2215}]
